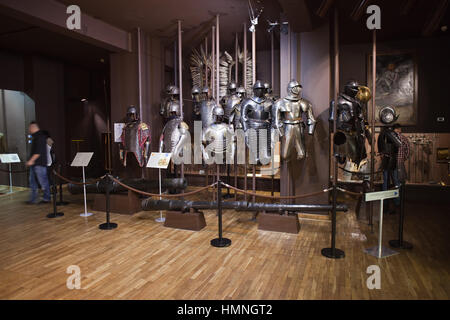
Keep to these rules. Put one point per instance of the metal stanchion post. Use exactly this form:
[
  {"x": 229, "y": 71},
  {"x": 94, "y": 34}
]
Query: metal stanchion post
[
  {"x": 220, "y": 242},
  {"x": 61, "y": 202},
  {"x": 161, "y": 218},
  {"x": 400, "y": 243},
  {"x": 55, "y": 212},
  {"x": 108, "y": 225},
  {"x": 10, "y": 180},
  {"x": 333, "y": 252}
]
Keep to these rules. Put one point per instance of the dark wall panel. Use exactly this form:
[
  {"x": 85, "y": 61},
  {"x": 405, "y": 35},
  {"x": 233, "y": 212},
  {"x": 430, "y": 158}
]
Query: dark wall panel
[{"x": 433, "y": 67}]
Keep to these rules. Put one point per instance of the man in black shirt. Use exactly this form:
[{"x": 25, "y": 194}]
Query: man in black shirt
[{"x": 38, "y": 164}]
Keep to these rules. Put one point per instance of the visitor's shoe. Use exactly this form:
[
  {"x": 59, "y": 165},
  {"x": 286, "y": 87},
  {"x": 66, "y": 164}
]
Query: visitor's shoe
[
  {"x": 44, "y": 202},
  {"x": 30, "y": 202}
]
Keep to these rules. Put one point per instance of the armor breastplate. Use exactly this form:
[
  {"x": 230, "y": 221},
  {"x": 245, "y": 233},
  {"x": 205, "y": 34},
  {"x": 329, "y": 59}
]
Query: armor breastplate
[
  {"x": 346, "y": 108},
  {"x": 230, "y": 104},
  {"x": 206, "y": 109},
  {"x": 293, "y": 111},
  {"x": 131, "y": 137},
  {"x": 171, "y": 135},
  {"x": 216, "y": 134},
  {"x": 257, "y": 113},
  {"x": 134, "y": 136}
]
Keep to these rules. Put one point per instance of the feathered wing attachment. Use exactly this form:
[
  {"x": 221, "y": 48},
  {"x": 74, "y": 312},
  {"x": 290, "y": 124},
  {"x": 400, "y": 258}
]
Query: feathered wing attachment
[
  {"x": 226, "y": 64},
  {"x": 200, "y": 66},
  {"x": 249, "y": 67}
]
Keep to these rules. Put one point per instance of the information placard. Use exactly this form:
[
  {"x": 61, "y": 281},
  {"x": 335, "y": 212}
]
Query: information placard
[
  {"x": 159, "y": 160},
  {"x": 381, "y": 195},
  {"x": 82, "y": 159},
  {"x": 9, "y": 158},
  {"x": 118, "y": 128}
]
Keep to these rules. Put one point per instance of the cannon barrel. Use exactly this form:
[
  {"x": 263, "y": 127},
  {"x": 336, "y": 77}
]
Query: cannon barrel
[
  {"x": 140, "y": 184},
  {"x": 180, "y": 205}
]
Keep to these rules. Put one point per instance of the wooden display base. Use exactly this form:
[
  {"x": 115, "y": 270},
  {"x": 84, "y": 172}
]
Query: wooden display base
[
  {"x": 119, "y": 203},
  {"x": 194, "y": 221},
  {"x": 278, "y": 223}
]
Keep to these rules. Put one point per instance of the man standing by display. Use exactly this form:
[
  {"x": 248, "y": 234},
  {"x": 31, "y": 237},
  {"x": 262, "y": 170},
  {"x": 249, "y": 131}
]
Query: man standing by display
[
  {"x": 38, "y": 164},
  {"x": 402, "y": 154}
]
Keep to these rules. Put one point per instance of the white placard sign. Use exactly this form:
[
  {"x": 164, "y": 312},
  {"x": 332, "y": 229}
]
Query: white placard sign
[
  {"x": 381, "y": 195},
  {"x": 159, "y": 160},
  {"x": 118, "y": 128},
  {"x": 9, "y": 158},
  {"x": 82, "y": 159}
]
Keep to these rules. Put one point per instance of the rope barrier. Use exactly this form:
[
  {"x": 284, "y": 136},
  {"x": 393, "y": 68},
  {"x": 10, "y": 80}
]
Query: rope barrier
[
  {"x": 359, "y": 173},
  {"x": 162, "y": 195},
  {"x": 350, "y": 192},
  {"x": 276, "y": 198},
  {"x": 75, "y": 182}
]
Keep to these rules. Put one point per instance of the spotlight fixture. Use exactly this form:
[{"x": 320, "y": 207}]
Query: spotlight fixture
[
  {"x": 444, "y": 28},
  {"x": 84, "y": 100}
]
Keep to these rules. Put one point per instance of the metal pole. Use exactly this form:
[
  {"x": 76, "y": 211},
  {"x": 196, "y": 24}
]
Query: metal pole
[
  {"x": 272, "y": 59},
  {"x": 333, "y": 252},
  {"x": 400, "y": 243},
  {"x": 55, "y": 212},
  {"x": 139, "y": 54},
  {"x": 217, "y": 60},
  {"x": 61, "y": 201},
  {"x": 10, "y": 179},
  {"x": 272, "y": 79},
  {"x": 213, "y": 59},
  {"x": 236, "y": 58},
  {"x": 160, "y": 219},
  {"x": 220, "y": 242},
  {"x": 206, "y": 65},
  {"x": 180, "y": 68},
  {"x": 244, "y": 70},
  {"x": 175, "y": 73},
  {"x": 380, "y": 232},
  {"x": 244, "y": 74},
  {"x": 108, "y": 225},
  {"x": 372, "y": 149},
  {"x": 254, "y": 56},
  {"x": 85, "y": 214},
  {"x": 289, "y": 52}
]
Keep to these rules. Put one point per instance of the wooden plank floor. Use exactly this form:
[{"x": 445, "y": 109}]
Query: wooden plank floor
[{"x": 144, "y": 260}]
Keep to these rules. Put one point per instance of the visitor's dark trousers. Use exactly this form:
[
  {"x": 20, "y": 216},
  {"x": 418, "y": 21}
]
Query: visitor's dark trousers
[
  {"x": 389, "y": 175},
  {"x": 38, "y": 174}
]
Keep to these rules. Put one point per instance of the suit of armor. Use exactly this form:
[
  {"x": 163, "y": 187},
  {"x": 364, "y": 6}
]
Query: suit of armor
[
  {"x": 170, "y": 100},
  {"x": 288, "y": 113},
  {"x": 350, "y": 120},
  {"x": 256, "y": 114},
  {"x": 135, "y": 138},
  {"x": 175, "y": 134},
  {"x": 219, "y": 137}
]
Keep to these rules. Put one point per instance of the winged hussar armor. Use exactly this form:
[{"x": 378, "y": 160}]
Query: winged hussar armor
[
  {"x": 201, "y": 67},
  {"x": 135, "y": 138},
  {"x": 288, "y": 113}
]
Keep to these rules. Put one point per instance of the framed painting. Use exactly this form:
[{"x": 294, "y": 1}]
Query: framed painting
[{"x": 396, "y": 86}]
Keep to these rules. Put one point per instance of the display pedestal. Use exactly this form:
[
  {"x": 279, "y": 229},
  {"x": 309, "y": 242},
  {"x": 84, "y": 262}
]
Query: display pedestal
[
  {"x": 194, "y": 221},
  {"x": 119, "y": 203},
  {"x": 278, "y": 223}
]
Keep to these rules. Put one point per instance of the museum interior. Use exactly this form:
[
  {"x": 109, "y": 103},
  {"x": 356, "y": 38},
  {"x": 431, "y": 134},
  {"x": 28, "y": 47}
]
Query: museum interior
[{"x": 224, "y": 149}]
